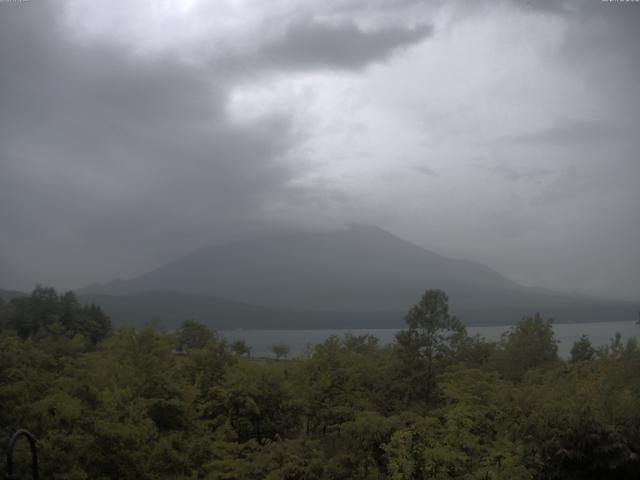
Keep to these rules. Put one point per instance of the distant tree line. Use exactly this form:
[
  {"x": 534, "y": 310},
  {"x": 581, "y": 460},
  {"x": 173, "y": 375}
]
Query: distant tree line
[{"x": 436, "y": 404}]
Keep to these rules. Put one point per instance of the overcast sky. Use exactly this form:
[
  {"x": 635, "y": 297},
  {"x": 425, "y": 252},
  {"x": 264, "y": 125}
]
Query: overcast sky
[{"x": 503, "y": 132}]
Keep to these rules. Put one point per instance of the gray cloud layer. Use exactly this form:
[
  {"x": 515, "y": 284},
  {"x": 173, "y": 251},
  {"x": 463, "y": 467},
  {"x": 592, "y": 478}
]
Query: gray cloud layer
[
  {"x": 114, "y": 160},
  {"x": 310, "y": 44},
  {"x": 103, "y": 152}
]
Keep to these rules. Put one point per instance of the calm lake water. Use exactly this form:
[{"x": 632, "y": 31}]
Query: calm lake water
[{"x": 298, "y": 341}]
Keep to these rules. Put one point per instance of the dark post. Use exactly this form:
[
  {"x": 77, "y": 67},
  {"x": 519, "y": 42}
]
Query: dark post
[{"x": 34, "y": 454}]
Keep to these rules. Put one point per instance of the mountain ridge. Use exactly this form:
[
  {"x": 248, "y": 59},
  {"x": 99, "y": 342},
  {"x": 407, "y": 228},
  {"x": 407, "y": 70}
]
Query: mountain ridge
[
  {"x": 343, "y": 277},
  {"x": 369, "y": 251}
]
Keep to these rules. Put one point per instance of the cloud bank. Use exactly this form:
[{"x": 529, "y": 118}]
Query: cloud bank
[{"x": 506, "y": 133}]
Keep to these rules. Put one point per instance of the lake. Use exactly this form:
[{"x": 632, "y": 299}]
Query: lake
[{"x": 298, "y": 341}]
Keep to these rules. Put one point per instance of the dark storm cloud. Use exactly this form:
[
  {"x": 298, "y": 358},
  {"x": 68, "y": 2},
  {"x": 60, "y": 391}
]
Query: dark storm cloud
[
  {"x": 118, "y": 161},
  {"x": 603, "y": 25},
  {"x": 105, "y": 152},
  {"x": 313, "y": 44}
]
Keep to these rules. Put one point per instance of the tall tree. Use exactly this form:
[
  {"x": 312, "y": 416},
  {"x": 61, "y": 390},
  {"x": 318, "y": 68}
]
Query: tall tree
[
  {"x": 193, "y": 334},
  {"x": 530, "y": 344},
  {"x": 430, "y": 341},
  {"x": 280, "y": 350},
  {"x": 582, "y": 350},
  {"x": 240, "y": 347}
]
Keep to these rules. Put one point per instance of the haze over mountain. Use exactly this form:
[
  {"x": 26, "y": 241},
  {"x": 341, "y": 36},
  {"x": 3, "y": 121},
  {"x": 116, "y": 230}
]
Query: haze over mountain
[
  {"x": 500, "y": 131},
  {"x": 359, "y": 276}
]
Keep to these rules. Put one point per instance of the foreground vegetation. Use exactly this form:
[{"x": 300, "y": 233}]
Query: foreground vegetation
[{"x": 437, "y": 404}]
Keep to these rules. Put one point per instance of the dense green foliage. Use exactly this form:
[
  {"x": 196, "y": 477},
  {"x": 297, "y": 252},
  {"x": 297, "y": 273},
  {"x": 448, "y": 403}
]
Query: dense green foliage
[{"x": 437, "y": 404}]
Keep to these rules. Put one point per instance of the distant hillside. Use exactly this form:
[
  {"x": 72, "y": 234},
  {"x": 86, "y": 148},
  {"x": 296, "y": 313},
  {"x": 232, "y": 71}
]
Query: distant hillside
[
  {"x": 320, "y": 270},
  {"x": 171, "y": 308},
  {"x": 7, "y": 295},
  {"x": 359, "y": 274}
]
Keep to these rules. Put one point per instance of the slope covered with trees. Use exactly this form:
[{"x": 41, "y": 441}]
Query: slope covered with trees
[{"x": 146, "y": 404}]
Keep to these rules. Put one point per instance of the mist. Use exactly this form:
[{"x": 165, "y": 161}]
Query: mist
[{"x": 504, "y": 133}]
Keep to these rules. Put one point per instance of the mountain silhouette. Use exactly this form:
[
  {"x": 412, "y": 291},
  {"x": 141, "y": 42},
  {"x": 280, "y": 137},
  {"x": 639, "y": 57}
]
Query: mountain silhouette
[{"x": 353, "y": 274}]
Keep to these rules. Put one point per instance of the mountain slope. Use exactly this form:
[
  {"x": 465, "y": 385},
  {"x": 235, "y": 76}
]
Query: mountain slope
[
  {"x": 319, "y": 270},
  {"x": 347, "y": 277},
  {"x": 171, "y": 308}
]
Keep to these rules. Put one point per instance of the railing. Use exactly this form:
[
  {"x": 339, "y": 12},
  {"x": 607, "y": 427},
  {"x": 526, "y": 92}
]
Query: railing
[{"x": 34, "y": 454}]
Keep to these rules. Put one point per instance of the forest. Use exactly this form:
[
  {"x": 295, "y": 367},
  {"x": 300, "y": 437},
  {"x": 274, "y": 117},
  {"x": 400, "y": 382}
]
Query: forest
[{"x": 147, "y": 403}]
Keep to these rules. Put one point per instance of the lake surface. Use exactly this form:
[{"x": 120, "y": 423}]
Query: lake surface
[{"x": 299, "y": 341}]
